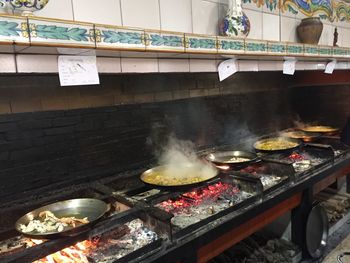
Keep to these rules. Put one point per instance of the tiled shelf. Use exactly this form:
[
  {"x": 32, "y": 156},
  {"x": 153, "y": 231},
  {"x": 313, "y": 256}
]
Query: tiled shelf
[{"x": 49, "y": 36}]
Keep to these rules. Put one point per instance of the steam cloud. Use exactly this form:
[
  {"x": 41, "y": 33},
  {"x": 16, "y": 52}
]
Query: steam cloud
[{"x": 182, "y": 161}]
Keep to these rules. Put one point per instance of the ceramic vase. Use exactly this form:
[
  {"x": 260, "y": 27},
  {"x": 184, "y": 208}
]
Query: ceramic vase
[
  {"x": 24, "y": 7},
  {"x": 235, "y": 23},
  {"x": 310, "y": 30}
]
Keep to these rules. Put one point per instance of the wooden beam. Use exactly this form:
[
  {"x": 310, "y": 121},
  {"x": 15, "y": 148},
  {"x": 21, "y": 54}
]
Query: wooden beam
[{"x": 237, "y": 234}]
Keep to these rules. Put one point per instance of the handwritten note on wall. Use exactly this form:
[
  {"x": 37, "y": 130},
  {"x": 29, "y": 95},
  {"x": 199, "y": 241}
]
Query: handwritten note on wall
[{"x": 78, "y": 70}]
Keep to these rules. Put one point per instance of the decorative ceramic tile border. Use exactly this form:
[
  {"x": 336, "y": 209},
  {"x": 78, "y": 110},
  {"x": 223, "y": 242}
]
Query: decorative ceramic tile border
[
  {"x": 311, "y": 50},
  {"x": 347, "y": 52},
  {"x": 14, "y": 29},
  {"x": 200, "y": 44},
  {"x": 108, "y": 37},
  {"x": 325, "y": 51},
  {"x": 340, "y": 52},
  {"x": 228, "y": 45},
  {"x": 277, "y": 48},
  {"x": 57, "y": 32},
  {"x": 256, "y": 46},
  {"x": 164, "y": 41},
  {"x": 295, "y": 49}
]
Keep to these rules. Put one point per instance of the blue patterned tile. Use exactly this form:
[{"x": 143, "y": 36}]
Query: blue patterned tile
[
  {"x": 200, "y": 44},
  {"x": 164, "y": 41},
  {"x": 230, "y": 46}
]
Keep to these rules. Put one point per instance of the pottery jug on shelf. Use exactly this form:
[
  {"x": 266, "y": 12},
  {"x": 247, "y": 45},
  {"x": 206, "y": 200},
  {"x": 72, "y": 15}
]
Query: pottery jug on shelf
[
  {"x": 310, "y": 30},
  {"x": 235, "y": 23},
  {"x": 23, "y": 7}
]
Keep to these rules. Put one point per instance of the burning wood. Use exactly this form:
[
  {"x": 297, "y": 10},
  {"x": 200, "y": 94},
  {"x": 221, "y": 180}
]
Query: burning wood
[
  {"x": 73, "y": 254},
  {"x": 105, "y": 248}
]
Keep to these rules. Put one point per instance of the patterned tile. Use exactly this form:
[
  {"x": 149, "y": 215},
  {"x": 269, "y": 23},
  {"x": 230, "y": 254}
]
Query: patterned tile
[
  {"x": 256, "y": 47},
  {"x": 295, "y": 49},
  {"x": 277, "y": 48},
  {"x": 311, "y": 50},
  {"x": 165, "y": 41},
  {"x": 47, "y": 31},
  {"x": 340, "y": 52},
  {"x": 108, "y": 37},
  {"x": 230, "y": 46},
  {"x": 347, "y": 52},
  {"x": 14, "y": 29},
  {"x": 325, "y": 51},
  {"x": 200, "y": 43}
]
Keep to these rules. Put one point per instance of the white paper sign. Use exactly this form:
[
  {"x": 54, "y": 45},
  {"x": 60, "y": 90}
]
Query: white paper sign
[
  {"x": 78, "y": 70},
  {"x": 330, "y": 67},
  {"x": 289, "y": 66},
  {"x": 227, "y": 68}
]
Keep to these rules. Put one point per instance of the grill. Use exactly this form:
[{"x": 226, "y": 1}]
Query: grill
[{"x": 156, "y": 224}]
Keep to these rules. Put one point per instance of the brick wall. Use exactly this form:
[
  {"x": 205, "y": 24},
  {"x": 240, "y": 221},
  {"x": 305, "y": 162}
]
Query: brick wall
[
  {"x": 328, "y": 104},
  {"x": 63, "y": 136},
  {"x": 29, "y": 93}
]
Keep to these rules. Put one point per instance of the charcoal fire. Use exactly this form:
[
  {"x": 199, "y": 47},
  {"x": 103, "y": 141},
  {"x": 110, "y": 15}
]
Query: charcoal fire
[
  {"x": 304, "y": 161},
  {"x": 201, "y": 203},
  {"x": 261, "y": 171},
  {"x": 105, "y": 248}
]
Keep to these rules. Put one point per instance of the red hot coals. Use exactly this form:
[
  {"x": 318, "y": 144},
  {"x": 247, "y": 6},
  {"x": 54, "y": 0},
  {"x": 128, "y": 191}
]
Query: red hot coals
[{"x": 196, "y": 205}]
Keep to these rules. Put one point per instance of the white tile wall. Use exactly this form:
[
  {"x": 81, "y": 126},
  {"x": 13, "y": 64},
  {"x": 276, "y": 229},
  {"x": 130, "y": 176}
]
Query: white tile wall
[
  {"x": 7, "y": 63},
  {"x": 140, "y": 13},
  {"x": 101, "y": 11},
  {"x": 139, "y": 65},
  {"x": 256, "y": 21},
  {"x": 176, "y": 15},
  {"x": 62, "y": 9},
  {"x": 205, "y": 16},
  {"x": 271, "y": 27},
  {"x": 174, "y": 65},
  {"x": 108, "y": 65},
  {"x": 203, "y": 65},
  {"x": 34, "y": 63},
  {"x": 327, "y": 35},
  {"x": 288, "y": 29},
  {"x": 345, "y": 37}
]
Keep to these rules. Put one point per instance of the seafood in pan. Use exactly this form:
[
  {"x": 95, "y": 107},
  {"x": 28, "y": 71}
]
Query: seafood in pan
[{"x": 48, "y": 222}]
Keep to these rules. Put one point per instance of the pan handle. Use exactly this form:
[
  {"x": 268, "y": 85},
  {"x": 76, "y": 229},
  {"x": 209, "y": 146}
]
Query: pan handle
[{"x": 340, "y": 256}]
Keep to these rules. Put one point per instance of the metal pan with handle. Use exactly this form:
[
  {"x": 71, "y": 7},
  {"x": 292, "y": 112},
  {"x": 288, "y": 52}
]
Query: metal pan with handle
[
  {"x": 277, "y": 145},
  {"x": 182, "y": 176},
  {"x": 231, "y": 160},
  {"x": 325, "y": 130},
  {"x": 92, "y": 209}
]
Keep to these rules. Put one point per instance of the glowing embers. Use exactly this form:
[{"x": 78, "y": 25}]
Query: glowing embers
[
  {"x": 73, "y": 254},
  {"x": 106, "y": 248},
  {"x": 194, "y": 206},
  {"x": 265, "y": 173},
  {"x": 304, "y": 161}
]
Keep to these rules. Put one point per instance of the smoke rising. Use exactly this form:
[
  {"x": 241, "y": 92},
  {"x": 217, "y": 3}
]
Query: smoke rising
[{"x": 181, "y": 160}]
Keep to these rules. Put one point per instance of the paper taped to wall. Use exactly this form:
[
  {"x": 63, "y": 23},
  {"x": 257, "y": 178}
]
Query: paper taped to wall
[
  {"x": 78, "y": 70},
  {"x": 227, "y": 68}
]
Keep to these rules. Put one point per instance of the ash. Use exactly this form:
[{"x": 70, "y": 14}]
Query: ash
[
  {"x": 129, "y": 238},
  {"x": 254, "y": 249},
  {"x": 12, "y": 245},
  {"x": 193, "y": 214},
  {"x": 270, "y": 180},
  {"x": 304, "y": 165}
]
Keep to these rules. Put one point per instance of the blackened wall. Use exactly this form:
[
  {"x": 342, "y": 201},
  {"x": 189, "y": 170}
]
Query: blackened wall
[
  {"x": 328, "y": 104},
  {"x": 61, "y": 147}
]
